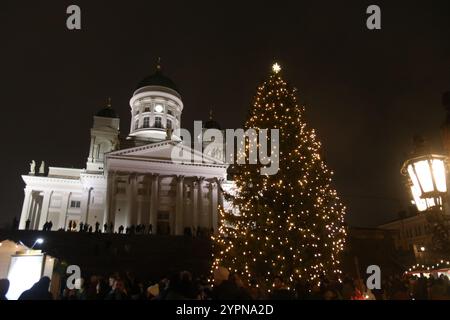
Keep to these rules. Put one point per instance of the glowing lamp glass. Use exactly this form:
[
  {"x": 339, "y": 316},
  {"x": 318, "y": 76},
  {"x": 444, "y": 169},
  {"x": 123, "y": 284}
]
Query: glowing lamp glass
[
  {"x": 438, "y": 168},
  {"x": 423, "y": 174},
  {"x": 428, "y": 181}
]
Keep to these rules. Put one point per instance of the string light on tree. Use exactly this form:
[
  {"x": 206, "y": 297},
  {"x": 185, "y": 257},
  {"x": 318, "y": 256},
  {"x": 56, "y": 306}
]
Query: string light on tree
[{"x": 290, "y": 224}]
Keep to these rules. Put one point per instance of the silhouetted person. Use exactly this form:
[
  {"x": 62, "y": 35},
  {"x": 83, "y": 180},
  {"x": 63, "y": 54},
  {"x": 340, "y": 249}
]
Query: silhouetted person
[
  {"x": 4, "y": 287},
  {"x": 15, "y": 224},
  {"x": 39, "y": 291},
  {"x": 421, "y": 288},
  {"x": 45, "y": 226},
  {"x": 111, "y": 227},
  {"x": 27, "y": 224},
  {"x": 70, "y": 225},
  {"x": 180, "y": 287},
  {"x": 105, "y": 228},
  {"x": 50, "y": 225},
  {"x": 81, "y": 226},
  {"x": 225, "y": 288},
  {"x": 97, "y": 227},
  {"x": 121, "y": 229},
  {"x": 150, "y": 229},
  {"x": 90, "y": 229},
  {"x": 118, "y": 292}
]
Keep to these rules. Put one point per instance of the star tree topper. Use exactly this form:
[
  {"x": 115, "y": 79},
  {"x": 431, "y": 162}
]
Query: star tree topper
[{"x": 276, "y": 67}]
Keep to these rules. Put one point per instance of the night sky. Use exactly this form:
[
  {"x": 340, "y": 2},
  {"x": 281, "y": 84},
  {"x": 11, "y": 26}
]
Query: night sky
[{"x": 366, "y": 92}]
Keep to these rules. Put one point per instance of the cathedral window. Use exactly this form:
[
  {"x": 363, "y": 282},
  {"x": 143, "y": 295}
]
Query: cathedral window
[
  {"x": 75, "y": 204},
  {"x": 147, "y": 109},
  {"x": 169, "y": 124},
  {"x": 146, "y": 122},
  {"x": 170, "y": 112},
  {"x": 158, "y": 122}
]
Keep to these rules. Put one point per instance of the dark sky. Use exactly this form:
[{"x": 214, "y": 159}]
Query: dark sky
[{"x": 366, "y": 92}]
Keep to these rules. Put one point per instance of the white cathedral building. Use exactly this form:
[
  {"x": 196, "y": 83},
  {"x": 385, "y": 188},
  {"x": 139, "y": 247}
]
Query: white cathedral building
[{"x": 134, "y": 181}]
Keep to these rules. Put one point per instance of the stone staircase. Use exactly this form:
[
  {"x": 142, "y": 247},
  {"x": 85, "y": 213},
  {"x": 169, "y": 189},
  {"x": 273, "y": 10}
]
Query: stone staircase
[{"x": 149, "y": 257}]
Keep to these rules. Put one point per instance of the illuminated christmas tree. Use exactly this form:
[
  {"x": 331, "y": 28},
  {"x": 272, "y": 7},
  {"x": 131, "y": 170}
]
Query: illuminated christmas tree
[{"x": 290, "y": 224}]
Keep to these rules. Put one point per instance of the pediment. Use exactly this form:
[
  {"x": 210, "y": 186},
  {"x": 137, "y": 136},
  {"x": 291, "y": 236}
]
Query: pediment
[{"x": 165, "y": 151}]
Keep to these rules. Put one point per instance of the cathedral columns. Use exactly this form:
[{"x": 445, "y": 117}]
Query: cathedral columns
[
  {"x": 140, "y": 190},
  {"x": 25, "y": 208},
  {"x": 213, "y": 189},
  {"x": 44, "y": 209},
  {"x": 194, "y": 202},
  {"x": 154, "y": 198},
  {"x": 179, "y": 204},
  {"x": 34, "y": 220},
  {"x": 63, "y": 212},
  {"x": 85, "y": 204},
  {"x": 186, "y": 202},
  {"x": 220, "y": 192},
  {"x": 200, "y": 205},
  {"x": 109, "y": 215},
  {"x": 131, "y": 218}
]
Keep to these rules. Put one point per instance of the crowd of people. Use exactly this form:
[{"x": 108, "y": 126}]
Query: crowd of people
[
  {"x": 141, "y": 229},
  {"x": 230, "y": 286}
]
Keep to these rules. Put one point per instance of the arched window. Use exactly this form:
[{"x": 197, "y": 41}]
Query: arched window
[
  {"x": 158, "y": 122},
  {"x": 146, "y": 122},
  {"x": 169, "y": 124}
]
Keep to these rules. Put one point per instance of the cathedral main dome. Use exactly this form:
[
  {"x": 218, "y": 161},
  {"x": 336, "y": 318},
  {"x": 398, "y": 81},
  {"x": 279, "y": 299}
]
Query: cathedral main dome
[
  {"x": 157, "y": 79},
  {"x": 156, "y": 108}
]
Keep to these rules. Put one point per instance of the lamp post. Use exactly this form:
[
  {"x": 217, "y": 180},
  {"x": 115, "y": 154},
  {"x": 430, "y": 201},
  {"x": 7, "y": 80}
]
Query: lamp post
[{"x": 427, "y": 182}]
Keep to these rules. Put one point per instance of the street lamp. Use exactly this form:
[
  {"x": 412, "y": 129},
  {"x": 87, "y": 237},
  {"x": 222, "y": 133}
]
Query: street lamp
[
  {"x": 38, "y": 241},
  {"x": 427, "y": 178}
]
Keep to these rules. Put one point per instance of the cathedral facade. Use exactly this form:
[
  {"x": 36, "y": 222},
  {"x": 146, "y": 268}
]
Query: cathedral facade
[{"x": 134, "y": 181}]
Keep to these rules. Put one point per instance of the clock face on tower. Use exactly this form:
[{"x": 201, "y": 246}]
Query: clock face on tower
[{"x": 158, "y": 108}]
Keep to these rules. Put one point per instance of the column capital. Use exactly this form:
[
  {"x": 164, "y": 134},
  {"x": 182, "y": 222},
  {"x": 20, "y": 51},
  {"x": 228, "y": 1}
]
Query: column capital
[
  {"x": 87, "y": 189},
  {"x": 200, "y": 179},
  {"x": 132, "y": 176}
]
